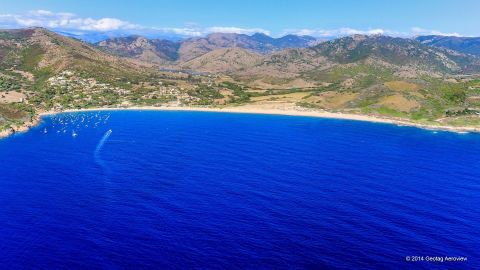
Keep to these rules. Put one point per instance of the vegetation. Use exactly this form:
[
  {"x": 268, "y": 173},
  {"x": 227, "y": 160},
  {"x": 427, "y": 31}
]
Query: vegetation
[
  {"x": 9, "y": 84},
  {"x": 374, "y": 75},
  {"x": 240, "y": 94},
  {"x": 14, "y": 114},
  {"x": 31, "y": 56}
]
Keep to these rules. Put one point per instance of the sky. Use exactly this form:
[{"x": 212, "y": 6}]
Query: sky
[{"x": 188, "y": 18}]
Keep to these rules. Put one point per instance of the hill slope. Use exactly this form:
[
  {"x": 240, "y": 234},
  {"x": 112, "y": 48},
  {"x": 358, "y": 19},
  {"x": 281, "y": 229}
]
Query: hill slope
[
  {"x": 394, "y": 51},
  {"x": 150, "y": 50},
  {"x": 37, "y": 50},
  {"x": 223, "y": 60},
  {"x": 404, "y": 57}
]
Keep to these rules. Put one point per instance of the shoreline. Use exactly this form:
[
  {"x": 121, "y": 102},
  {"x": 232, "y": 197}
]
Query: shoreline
[
  {"x": 36, "y": 120},
  {"x": 294, "y": 111}
]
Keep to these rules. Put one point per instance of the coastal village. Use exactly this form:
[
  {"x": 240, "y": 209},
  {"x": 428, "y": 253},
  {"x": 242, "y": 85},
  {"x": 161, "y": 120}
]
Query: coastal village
[{"x": 81, "y": 92}]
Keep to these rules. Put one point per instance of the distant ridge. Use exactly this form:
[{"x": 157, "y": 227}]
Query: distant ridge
[
  {"x": 470, "y": 45},
  {"x": 156, "y": 51},
  {"x": 406, "y": 56},
  {"x": 159, "y": 51}
]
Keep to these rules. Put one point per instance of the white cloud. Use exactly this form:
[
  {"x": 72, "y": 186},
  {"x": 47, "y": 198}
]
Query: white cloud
[
  {"x": 63, "y": 21},
  {"x": 195, "y": 31},
  {"x": 421, "y": 31},
  {"x": 185, "y": 31},
  {"x": 69, "y": 22},
  {"x": 236, "y": 30},
  {"x": 344, "y": 31},
  {"x": 72, "y": 23}
]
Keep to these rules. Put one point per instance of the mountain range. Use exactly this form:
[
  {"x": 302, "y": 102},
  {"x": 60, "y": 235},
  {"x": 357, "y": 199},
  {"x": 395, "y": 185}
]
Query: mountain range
[
  {"x": 412, "y": 78},
  {"x": 403, "y": 57},
  {"x": 160, "y": 50},
  {"x": 220, "y": 52}
]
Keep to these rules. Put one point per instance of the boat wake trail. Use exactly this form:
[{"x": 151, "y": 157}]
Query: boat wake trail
[
  {"x": 102, "y": 142},
  {"x": 99, "y": 147}
]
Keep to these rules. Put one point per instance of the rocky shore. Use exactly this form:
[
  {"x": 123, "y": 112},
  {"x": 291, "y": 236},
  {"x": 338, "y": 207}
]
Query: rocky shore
[{"x": 20, "y": 128}]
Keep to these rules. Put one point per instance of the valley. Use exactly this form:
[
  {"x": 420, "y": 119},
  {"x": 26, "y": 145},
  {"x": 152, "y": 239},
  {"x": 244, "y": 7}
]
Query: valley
[{"x": 398, "y": 79}]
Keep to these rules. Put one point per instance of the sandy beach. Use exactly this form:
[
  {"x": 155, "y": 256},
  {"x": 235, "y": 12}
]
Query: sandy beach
[
  {"x": 255, "y": 109},
  {"x": 287, "y": 110}
]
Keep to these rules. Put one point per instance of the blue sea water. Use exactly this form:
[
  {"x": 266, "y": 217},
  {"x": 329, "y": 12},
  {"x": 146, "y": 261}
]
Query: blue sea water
[{"x": 197, "y": 190}]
